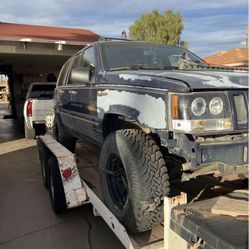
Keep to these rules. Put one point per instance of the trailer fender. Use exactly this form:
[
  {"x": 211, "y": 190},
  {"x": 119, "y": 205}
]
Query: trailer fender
[{"x": 75, "y": 192}]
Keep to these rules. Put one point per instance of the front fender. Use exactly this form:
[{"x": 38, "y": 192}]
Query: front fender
[{"x": 147, "y": 109}]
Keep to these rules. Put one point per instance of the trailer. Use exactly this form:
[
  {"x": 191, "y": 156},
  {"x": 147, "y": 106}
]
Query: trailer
[{"x": 72, "y": 183}]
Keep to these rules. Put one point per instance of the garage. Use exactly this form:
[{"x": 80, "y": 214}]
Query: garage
[{"x": 30, "y": 53}]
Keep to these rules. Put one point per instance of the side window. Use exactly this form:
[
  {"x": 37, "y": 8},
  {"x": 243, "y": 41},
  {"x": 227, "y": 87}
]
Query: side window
[
  {"x": 63, "y": 74},
  {"x": 88, "y": 59},
  {"x": 82, "y": 60},
  {"x": 74, "y": 63}
]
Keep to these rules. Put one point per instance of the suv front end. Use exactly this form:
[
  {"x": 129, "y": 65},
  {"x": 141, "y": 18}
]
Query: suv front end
[{"x": 209, "y": 130}]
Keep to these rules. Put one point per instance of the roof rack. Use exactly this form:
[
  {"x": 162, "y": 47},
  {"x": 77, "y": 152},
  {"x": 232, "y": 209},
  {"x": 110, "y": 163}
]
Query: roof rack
[{"x": 102, "y": 38}]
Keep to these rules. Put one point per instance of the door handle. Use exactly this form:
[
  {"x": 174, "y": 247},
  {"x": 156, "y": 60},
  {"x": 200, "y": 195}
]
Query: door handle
[
  {"x": 72, "y": 92},
  {"x": 61, "y": 91}
]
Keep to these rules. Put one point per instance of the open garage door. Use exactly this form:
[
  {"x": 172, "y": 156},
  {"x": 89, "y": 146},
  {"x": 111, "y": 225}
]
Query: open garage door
[
  {"x": 6, "y": 87},
  {"x": 24, "y": 69}
]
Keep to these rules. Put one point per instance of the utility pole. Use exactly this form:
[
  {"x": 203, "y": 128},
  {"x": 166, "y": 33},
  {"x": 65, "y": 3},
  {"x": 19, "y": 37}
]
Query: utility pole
[{"x": 247, "y": 33}]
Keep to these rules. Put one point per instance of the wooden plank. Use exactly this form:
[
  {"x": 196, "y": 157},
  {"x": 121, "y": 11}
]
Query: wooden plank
[
  {"x": 231, "y": 207},
  {"x": 245, "y": 191}
]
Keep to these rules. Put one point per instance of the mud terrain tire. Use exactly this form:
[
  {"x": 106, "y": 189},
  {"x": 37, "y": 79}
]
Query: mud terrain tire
[{"x": 134, "y": 179}]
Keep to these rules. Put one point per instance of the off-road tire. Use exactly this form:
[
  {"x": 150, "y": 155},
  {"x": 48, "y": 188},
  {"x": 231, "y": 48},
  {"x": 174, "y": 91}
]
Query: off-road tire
[
  {"x": 29, "y": 133},
  {"x": 146, "y": 175},
  {"x": 56, "y": 190},
  {"x": 60, "y": 133}
]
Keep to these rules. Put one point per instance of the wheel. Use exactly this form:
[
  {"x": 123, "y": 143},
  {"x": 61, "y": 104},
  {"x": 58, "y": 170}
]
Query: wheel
[
  {"x": 60, "y": 133},
  {"x": 29, "y": 133},
  {"x": 134, "y": 179},
  {"x": 56, "y": 190}
]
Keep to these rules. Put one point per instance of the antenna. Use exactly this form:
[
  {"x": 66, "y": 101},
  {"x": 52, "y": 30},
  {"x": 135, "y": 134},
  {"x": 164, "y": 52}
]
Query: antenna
[{"x": 124, "y": 35}]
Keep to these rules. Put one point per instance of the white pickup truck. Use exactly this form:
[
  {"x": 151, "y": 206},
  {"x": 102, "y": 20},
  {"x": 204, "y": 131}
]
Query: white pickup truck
[{"x": 38, "y": 104}]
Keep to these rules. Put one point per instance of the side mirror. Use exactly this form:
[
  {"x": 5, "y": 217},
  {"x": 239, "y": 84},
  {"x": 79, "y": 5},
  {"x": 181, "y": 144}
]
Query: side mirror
[{"x": 80, "y": 75}]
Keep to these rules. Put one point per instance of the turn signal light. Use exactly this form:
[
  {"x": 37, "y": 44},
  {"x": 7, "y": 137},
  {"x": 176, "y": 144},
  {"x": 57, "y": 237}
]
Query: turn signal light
[{"x": 175, "y": 107}]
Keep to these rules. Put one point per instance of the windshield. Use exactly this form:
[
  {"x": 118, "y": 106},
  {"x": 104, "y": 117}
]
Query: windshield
[{"x": 137, "y": 55}]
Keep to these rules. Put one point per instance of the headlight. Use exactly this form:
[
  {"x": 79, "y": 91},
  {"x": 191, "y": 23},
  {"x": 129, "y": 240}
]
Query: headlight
[
  {"x": 200, "y": 112},
  {"x": 198, "y": 106},
  {"x": 216, "y": 106}
]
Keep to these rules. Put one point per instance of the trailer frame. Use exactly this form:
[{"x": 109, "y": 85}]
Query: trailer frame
[{"x": 78, "y": 192}]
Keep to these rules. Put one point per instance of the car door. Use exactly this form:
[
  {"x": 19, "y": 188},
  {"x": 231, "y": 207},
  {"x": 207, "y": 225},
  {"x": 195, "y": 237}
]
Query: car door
[
  {"x": 82, "y": 111},
  {"x": 62, "y": 95}
]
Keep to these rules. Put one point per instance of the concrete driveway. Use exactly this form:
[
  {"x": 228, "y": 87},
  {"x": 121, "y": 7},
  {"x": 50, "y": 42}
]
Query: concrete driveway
[{"x": 26, "y": 218}]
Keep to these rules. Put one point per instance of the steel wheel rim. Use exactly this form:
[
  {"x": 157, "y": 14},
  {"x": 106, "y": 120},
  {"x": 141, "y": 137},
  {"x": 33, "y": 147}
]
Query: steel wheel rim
[{"x": 117, "y": 181}]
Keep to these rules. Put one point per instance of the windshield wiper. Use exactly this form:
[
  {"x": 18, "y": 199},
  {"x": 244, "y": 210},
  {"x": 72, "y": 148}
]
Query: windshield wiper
[
  {"x": 136, "y": 67},
  {"x": 119, "y": 68}
]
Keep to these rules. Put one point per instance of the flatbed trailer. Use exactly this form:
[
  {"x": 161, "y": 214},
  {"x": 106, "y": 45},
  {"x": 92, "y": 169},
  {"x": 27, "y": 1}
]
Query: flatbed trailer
[{"x": 186, "y": 225}]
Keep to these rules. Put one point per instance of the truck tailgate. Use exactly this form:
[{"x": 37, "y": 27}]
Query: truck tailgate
[{"x": 41, "y": 108}]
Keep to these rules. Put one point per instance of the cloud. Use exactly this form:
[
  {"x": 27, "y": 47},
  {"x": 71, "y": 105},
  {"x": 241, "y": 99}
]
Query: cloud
[
  {"x": 28, "y": 9},
  {"x": 209, "y": 25},
  {"x": 210, "y": 34},
  {"x": 212, "y": 42}
]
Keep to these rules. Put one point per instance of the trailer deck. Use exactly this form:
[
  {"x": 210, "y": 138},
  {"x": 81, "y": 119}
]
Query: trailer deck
[
  {"x": 206, "y": 189},
  {"x": 200, "y": 224}
]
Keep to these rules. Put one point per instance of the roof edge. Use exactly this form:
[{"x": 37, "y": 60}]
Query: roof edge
[
  {"x": 46, "y": 26},
  {"x": 48, "y": 41}
]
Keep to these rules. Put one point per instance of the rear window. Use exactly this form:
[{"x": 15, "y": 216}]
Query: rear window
[{"x": 42, "y": 92}]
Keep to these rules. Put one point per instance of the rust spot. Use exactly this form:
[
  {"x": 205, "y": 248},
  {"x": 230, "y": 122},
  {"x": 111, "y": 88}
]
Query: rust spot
[{"x": 183, "y": 211}]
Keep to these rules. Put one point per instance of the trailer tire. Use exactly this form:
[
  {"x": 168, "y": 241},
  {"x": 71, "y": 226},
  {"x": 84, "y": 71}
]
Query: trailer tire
[
  {"x": 131, "y": 159},
  {"x": 60, "y": 133},
  {"x": 56, "y": 190},
  {"x": 44, "y": 166}
]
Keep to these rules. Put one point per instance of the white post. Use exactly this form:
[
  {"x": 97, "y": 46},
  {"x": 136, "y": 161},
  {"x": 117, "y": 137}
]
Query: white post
[{"x": 171, "y": 239}]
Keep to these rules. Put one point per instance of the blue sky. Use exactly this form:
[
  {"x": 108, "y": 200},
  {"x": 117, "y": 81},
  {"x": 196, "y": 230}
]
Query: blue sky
[{"x": 209, "y": 26}]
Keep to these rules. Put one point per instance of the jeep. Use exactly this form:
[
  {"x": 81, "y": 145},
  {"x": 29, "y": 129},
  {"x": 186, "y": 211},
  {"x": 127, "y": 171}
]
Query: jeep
[{"x": 158, "y": 114}]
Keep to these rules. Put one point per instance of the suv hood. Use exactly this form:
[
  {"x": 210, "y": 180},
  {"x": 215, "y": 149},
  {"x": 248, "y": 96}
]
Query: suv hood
[
  {"x": 213, "y": 79},
  {"x": 182, "y": 80}
]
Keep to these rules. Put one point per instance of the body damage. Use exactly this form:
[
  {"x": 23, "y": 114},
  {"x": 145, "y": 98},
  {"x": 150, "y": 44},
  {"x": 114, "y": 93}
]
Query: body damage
[
  {"x": 145, "y": 79},
  {"x": 198, "y": 80},
  {"x": 178, "y": 80},
  {"x": 148, "y": 109}
]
